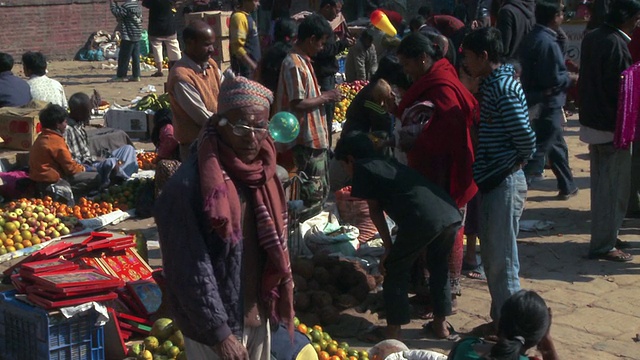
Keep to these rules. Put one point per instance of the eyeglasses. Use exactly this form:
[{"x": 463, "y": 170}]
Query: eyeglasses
[{"x": 244, "y": 130}]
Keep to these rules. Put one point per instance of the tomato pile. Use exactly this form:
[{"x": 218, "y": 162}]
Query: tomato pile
[
  {"x": 147, "y": 160},
  {"x": 326, "y": 347}
]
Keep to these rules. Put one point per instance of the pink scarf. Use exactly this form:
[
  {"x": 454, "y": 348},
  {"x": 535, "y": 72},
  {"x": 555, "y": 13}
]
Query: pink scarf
[
  {"x": 218, "y": 165},
  {"x": 627, "y": 124}
]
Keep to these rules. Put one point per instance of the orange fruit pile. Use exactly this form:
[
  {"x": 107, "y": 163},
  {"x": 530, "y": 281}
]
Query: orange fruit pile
[{"x": 147, "y": 160}]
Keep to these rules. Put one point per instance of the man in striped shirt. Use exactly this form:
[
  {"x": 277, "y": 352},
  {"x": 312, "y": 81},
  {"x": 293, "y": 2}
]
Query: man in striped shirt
[
  {"x": 505, "y": 143},
  {"x": 299, "y": 93}
]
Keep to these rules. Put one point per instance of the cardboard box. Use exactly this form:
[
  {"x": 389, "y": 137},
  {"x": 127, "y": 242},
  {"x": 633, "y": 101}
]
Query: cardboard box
[
  {"x": 222, "y": 53},
  {"x": 19, "y": 127},
  {"x": 218, "y": 20},
  {"x": 137, "y": 124}
]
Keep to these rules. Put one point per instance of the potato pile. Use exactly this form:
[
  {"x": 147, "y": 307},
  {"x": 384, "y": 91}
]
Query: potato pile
[{"x": 324, "y": 286}]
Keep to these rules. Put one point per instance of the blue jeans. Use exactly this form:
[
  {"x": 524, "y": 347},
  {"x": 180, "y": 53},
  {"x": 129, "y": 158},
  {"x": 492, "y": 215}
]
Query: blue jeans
[
  {"x": 500, "y": 212},
  {"x": 129, "y": 50}
]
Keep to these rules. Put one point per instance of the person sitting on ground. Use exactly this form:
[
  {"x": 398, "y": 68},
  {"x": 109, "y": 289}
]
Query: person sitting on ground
[
  {"x": 525, "y": 322},
  {"x": 50, "y": 160},
  {"x": 14, "y": 92},
  {"x": 118, "y": 164},
  {"x": 42, "y": 87},
  {"x": 162, "y": 136},
  {"x": 361, "y": 61},
  {"x": 427, "y": 218}
]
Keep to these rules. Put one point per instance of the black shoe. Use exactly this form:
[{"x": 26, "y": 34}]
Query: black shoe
[{"x": 563, "y": 196}]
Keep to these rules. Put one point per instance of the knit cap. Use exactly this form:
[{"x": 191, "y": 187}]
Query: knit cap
[{"x": 238, "y": 91}]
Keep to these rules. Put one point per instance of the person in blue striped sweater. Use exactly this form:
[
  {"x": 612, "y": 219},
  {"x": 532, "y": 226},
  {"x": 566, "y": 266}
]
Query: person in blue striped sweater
[{"x": 505, "y": 143}]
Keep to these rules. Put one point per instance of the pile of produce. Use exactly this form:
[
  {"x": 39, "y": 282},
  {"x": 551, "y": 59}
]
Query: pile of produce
[
  {"x": 324, "y": 286},
  {"x": 123, "y": 196},
  {"x": 147, "y": 160},
  {"x": 349, "y": 90},
  {"x": 153, "y": 102},
  {"x": 29, "y": 222},
  {"x": 165, "y": 341},
  {"x": 326, "y": 347},
  {"x": 150, "y": 60}
]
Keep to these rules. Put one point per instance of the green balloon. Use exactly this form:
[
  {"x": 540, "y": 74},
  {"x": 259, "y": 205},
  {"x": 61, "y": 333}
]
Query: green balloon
[{"x": 284, "y": 127}]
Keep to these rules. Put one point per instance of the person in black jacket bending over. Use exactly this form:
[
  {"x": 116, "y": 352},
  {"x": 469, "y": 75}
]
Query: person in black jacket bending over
[
  {"x": 427, "y": 218},
  {"x": 604, "y": 55},
  {"x": 325, "y": 64}
]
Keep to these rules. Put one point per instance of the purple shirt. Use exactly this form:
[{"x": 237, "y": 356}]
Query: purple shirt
[{"x": 14, "y": 91}]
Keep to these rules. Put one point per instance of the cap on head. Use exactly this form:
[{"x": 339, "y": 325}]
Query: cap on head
[{"x": 238, "y": 92}]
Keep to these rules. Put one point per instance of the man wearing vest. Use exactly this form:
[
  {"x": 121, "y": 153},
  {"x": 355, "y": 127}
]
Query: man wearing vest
[
  {"x": 244, "y": 40},
  {"x": 194, "y": 85}
]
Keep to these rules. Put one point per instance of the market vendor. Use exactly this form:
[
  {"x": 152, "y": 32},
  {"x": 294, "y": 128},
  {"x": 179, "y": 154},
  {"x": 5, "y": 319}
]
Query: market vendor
[
  {"x": 193, "y": 84},
  {"x": 43, "y": 88},
  {"x": 14, "y": 92},
  {"x": 118, "y": 164},
  {"x": 222, "y": 229},
  {"x": 427, "y": 218},
  {"x": 50, "y": 160}
]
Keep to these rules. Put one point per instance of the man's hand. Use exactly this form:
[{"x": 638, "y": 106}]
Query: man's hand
[
  {"x": 231, "y": 349},
  {"x": 332, "y": 95},
  {"x": 350, "y": 41}
]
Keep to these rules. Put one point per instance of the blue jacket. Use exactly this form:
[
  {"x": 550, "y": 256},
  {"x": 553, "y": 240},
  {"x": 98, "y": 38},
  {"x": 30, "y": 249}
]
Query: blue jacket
[
  {"x": 545, "y": 78},
  {"x": 14, "y": 91},
  {"x": 203, "y": 272}
]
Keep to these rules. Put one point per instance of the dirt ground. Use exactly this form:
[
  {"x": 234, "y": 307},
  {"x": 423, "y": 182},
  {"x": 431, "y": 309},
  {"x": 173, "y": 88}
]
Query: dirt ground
[{"x": 595, "y": 303}]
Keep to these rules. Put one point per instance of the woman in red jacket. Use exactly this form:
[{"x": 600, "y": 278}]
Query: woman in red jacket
[{"x": 443, "y": 151}]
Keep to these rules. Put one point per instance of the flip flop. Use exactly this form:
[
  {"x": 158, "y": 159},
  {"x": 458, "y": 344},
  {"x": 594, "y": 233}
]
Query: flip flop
[
  {"x": 477, "y": 273},
  {"x": 453, "y": 334},
  {"x": 614, "y": 255},
  {"x": 429, "y": 314},
  {"x": 373, "y": 336}
]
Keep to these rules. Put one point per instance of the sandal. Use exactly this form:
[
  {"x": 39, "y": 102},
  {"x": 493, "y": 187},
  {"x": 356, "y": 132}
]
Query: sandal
[
  {"x": 374, "y": 335},
  {"x": 476, "y": 273},
  {"x": 613, "y": 255},
  {"x": 157, "y": 74},
  {"x": 453, "y": 334}
]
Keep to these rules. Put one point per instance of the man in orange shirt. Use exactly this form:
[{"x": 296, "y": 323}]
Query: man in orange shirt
[{"x": 50, "y": 161}]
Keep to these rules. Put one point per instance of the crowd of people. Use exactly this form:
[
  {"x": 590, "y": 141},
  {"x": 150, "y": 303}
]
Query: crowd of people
[{"x": 461, "y": 116}]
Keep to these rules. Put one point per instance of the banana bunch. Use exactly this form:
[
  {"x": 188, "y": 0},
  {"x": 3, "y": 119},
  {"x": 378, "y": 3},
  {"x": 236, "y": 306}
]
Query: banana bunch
[{"x": 153, "y": 102}]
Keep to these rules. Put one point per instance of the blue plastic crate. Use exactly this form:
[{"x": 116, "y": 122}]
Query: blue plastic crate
[{"x": 32, "y": 333}]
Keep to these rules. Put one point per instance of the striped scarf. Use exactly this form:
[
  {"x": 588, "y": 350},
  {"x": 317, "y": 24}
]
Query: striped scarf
[{"x": 219, "y": 169}]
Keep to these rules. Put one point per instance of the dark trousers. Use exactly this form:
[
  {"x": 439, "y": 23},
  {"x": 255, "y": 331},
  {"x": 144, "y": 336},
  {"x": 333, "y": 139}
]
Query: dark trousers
[
  {"x": 550, "y": 143},
  {"x": 328, "y": 83},
  {"x": 129, "y": 50},
  {"x": 403, "y": 254}
]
